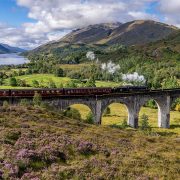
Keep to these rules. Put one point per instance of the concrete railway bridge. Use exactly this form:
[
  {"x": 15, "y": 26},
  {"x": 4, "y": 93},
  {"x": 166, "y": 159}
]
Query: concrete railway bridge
[{"x": 133, "y": 101}]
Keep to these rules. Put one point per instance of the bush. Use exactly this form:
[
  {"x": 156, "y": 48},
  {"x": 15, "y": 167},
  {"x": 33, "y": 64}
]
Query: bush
[
  {"x": 37, "y": 99},
  {"x": 124, "y": 123},
  {"x": 90, "y": 118},
  {"x": 152, "y": 104},
  {"x": 72, "y": 113},
  {"x": 107, "y": 111},
  {"x": 59, "y": 72},
  {"x": 5, "y": 104},
  {"x": 144, "y": 123},
  {"x": 13, "y": 81},
  {"x": 35, "y": 83},
  {"x": 51, "y": 84},
  {"x": 85, "y": 148},
  {"x": 24, "y": 102},
  {"x": 21, "y": 83}
]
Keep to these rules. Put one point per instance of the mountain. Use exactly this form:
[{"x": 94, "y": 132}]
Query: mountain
[
  {"x": 5, "y": 49},
  {"x": 91, "y": 34},
  {"x": 131, "y": 33}
]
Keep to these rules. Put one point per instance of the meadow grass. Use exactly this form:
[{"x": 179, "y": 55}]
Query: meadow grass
[
  {"x": 43, "y": 79},
  {"x": 119, "y": 113},
  {"x": 74, "y": 66}
]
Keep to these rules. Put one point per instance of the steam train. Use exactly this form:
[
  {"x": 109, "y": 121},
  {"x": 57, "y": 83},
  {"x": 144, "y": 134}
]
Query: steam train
[{"x": 72, "y": 91}]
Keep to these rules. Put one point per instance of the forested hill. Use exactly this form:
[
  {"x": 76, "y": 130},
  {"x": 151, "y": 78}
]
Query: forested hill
[{"x": 158, "y": 62}]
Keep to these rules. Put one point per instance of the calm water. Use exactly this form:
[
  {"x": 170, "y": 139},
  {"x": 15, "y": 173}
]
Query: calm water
[{"x": 15, "y": 59}]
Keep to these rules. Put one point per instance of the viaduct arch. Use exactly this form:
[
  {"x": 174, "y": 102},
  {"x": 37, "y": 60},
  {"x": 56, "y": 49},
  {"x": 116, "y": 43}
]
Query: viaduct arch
[{"x": 133, "y": 102}]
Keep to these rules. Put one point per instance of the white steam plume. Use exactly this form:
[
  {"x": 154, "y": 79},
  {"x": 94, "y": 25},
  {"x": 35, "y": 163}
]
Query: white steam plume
[{"x": 110, "y": 67}]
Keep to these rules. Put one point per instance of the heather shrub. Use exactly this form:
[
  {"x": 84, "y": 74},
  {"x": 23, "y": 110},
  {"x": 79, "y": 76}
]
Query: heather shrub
[
  {"x": 85, "y": 148},
  {"x": 12, "y": 136}
]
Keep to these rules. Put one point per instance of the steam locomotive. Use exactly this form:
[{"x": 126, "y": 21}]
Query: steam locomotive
[{"x": 72, "y": 91}]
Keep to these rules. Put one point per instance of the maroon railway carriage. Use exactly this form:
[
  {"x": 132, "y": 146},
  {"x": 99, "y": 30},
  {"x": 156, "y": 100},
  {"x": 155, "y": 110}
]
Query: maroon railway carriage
[
  {"x": 55, "y": 92},
  {"x": 31, "y": 92},
  {"x": 87, "y": 91},
  {"x": 5, "y": 93}
]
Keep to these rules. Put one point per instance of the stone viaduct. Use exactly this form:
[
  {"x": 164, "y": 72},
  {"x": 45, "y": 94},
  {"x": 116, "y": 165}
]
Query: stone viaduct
[{"x": 133, "y": 102}]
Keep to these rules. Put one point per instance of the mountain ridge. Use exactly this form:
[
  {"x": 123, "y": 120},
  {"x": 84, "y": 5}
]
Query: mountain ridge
[
  {"x": 130, "y": 33},
  {"x": 136, "y": 32},
  {"x": 6, "y": 49}
]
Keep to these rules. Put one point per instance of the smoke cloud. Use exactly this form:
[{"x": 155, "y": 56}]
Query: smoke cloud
[
  {"x": 135, "y": 77},
  {"x": 110, "y": 67},
  {"x": 90, "y": 55}
]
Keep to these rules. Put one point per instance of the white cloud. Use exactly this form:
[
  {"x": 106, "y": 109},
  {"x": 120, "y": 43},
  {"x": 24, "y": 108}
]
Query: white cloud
[
  {"x": 53, "y": 18},
  {"x": 170, "y": 10}
]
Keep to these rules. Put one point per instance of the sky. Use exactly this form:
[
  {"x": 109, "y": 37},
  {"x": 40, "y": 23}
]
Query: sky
[{"x": 30, "y": 23}]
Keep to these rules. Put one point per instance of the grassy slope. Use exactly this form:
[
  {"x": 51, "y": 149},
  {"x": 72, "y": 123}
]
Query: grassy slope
[{"x": 87, "y": 151}]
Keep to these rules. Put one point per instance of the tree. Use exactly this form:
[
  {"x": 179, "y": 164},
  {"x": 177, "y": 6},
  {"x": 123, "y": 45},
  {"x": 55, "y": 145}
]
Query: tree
[
  {"x": 21, "y": 83},
  {"x": 71, "y": 84},
  {"x": 171, "y": 82},
  {"x": 37, "y": 99},
  {"x": 72, "y": 113},
  {"x": 59, "y": 72},
  {"x": 13, "y": 81},
  {"x": 144, "y": 122},
  {"x": 91, "y": 83},
  {"x": 35, "y": 83},
  {"x": 51, "y": 84}
]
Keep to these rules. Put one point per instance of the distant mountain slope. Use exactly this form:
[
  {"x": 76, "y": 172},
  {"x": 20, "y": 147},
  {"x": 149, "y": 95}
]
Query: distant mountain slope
[
  {"x": 91, "y": 34},
  {"x": 132, "y": 33},
  {"x": 4, "y": 48}
]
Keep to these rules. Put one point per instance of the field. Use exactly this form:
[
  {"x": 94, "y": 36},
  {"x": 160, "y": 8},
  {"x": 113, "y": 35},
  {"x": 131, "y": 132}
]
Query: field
[
  {"x": 119, "y": 113},
  {"x": 43, "y": 79},
  {"x": 74, "y": 66}
]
